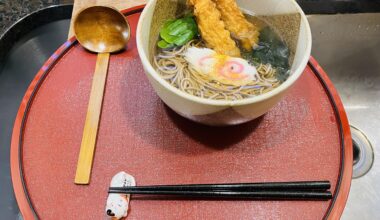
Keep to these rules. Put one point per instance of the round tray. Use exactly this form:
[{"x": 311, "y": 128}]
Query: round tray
[{"x": 305, "y": 137}]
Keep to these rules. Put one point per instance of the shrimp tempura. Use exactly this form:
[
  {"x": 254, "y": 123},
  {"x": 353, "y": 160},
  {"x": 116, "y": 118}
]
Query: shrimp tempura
[
  {"x": 212, "y": 28},
  {"x": 237, "y": 24}
]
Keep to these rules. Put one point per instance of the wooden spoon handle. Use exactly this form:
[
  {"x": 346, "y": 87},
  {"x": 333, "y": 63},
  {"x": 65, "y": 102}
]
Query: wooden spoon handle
[{"x": 90, "y": 131}]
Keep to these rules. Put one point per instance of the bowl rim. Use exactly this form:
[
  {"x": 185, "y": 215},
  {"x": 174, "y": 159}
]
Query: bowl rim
[{"x": 279, "y": 90}]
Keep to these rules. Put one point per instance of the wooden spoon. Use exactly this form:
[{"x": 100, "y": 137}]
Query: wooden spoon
[{"x": 102, "y": 30}]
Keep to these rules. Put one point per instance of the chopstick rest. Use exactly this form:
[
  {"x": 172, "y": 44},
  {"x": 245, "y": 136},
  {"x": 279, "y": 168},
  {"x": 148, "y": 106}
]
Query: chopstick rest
[{"x": 118, "y": 203}]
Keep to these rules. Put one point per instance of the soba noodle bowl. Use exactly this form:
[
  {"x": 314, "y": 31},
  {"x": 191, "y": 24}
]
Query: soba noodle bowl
[{"x": 220, "y": 54}]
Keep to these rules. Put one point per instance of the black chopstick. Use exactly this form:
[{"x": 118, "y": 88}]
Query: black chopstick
[
  {"x": 296, "y": 195},
  {"x": 299, "y": 186}
]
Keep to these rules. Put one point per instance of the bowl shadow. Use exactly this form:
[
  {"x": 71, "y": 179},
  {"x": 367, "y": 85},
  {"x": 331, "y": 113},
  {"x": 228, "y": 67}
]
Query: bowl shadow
[{"x": 217, "y": 138}]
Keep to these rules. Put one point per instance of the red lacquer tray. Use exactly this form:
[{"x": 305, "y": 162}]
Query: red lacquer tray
[{"x": 305, "y": 137}]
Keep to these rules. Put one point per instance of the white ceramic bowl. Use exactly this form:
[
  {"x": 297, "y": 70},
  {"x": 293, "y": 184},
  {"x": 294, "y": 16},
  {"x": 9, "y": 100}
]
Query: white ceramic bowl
[{"x": 216, "y": 112}]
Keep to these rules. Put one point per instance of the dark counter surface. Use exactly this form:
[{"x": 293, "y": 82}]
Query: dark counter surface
[{"x": 12, "y": 10}]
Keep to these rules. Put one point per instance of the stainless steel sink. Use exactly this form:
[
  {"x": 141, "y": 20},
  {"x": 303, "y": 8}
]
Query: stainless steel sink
[{"x": 348, "y": 47}]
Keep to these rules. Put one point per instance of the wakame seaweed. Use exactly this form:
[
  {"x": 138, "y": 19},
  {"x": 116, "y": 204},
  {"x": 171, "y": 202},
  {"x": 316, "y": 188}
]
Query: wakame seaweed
[{"x": 271, "y": 49}]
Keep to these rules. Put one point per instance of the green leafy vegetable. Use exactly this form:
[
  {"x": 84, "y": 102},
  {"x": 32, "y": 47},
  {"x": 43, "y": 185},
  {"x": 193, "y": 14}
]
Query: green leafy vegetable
[{"x": 178, "y": 32}]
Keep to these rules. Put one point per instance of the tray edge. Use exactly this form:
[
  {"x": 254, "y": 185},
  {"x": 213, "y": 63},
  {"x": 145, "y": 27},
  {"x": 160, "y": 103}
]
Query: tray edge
[{"x": 345, "y": 176}]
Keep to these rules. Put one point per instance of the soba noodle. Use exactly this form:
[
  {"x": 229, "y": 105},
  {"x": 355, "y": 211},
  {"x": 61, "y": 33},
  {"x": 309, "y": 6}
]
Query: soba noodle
[{"x": 173, "y": 67}]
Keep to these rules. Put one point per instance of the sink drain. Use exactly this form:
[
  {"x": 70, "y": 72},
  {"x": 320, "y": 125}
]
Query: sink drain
[{"x": 362, "y": 152}]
